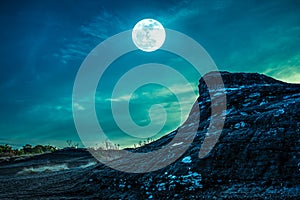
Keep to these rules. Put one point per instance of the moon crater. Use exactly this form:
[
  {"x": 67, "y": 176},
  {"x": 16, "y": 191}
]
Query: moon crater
[{"x": 148, "y": 35}]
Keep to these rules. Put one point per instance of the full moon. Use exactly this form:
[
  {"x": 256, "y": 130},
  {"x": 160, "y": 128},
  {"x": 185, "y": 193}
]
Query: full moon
[{"x": 148, "y": 35}]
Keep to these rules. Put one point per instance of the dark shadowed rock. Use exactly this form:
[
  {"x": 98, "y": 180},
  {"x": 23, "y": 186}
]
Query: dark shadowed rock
[{"x": 256, "y": 156}]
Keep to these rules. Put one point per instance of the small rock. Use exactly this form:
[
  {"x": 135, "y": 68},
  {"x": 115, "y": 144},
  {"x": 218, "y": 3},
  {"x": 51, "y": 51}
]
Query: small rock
[
  {"x": 187, "y": 160},
  {"x": 237, "y": 126},
  {"x": 262, "y": 103},
  {"x": 279, "y": 112},
  {"x": 242, "y": 124}
]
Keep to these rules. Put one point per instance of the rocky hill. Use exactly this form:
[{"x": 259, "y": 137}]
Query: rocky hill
[{"x": 257, "y": 154}]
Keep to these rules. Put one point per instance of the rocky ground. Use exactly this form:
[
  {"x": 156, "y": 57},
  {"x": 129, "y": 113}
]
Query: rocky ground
[{"x": 256, "y": 157}]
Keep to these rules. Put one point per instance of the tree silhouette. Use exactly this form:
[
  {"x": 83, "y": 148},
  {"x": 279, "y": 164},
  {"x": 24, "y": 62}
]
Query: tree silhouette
[{"x": 69, "y": 142}]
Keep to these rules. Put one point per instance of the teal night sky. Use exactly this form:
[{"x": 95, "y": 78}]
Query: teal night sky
[{"x": 43, "y": 44}]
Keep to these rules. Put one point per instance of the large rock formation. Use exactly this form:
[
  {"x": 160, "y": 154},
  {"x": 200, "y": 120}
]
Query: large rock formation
[
  {"x": 256, "y": 156},
  {"x": 259, "y": 149}
]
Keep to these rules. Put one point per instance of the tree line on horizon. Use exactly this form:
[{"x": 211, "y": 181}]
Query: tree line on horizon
[
  {"x": 107, "y": 145},
  {"x": 7, "y": 150}
]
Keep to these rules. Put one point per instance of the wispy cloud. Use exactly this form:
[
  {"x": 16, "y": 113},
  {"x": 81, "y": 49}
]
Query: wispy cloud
[
  {"x": 120, "y": 98},
  {"x": 78, "y": 106},
  {"x": 90, "y": 35}
]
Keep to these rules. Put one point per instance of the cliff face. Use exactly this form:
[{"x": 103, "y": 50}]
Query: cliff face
[
  {"x": 261, "y": 137},
  {"x": 257, "y": 154}
]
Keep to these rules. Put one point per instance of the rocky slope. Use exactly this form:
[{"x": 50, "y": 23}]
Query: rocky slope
[{"x": 256, "y": 156}]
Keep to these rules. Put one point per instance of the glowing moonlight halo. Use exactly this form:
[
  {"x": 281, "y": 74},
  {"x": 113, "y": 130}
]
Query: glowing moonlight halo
[{"x": 148, "y": 35}]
